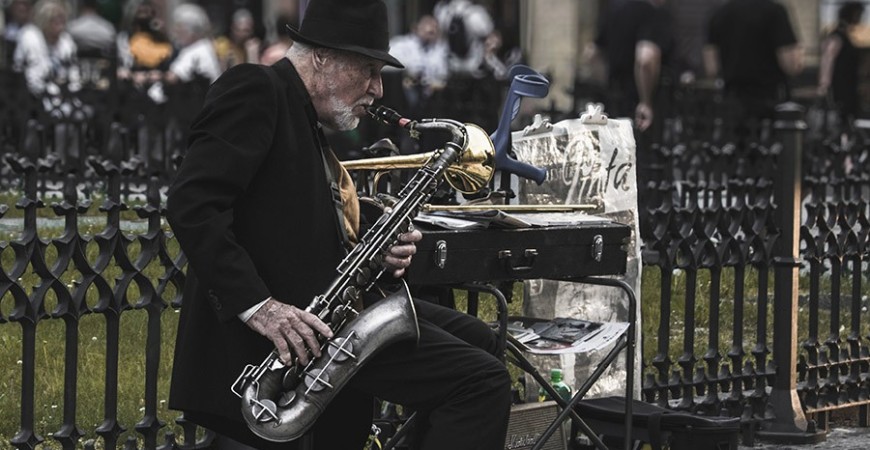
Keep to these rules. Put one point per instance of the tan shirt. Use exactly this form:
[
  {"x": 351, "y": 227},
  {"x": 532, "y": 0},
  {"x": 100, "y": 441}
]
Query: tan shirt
[{"x": 349, "y": 199}]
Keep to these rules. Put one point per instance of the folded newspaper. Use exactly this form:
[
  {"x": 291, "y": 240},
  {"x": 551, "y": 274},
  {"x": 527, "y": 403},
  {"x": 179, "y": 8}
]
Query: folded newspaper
[
  {"x": 563, "y": 335},
  {"x": 490, "y": 218}
]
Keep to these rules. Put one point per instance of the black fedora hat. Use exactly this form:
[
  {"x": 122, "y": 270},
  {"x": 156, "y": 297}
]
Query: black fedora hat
[{"x": 358, "y": 26}]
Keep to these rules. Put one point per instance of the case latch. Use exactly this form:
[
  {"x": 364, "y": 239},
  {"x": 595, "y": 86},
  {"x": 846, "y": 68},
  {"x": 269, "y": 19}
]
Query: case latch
[
  {"x": 441, "y": 253},
  {"x": 597, "y": 247}
]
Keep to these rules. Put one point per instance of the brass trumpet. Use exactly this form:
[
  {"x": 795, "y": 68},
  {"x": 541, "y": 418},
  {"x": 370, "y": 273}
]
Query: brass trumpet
[{"x": 469, "y": 174}]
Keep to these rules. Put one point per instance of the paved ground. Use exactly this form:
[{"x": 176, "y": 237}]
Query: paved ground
[{"x": 838, "y": 439}]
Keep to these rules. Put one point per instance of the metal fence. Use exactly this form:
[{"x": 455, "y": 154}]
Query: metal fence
[
  {"x": 61, "y": 272},
  {"x": 755, "y": 256},
  {"x": 729, "y": 229}
]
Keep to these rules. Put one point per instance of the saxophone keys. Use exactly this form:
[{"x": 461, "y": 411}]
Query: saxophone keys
[
  {"x": 350, "y": 295},
  {"x": 362, "y": 276},
  {"x": 286, "y": 398},
  {"x": 340, "y": 349},
  {"x": 339, "y": 314},
  {"x": 264, "y": 410},
  {"x": 317, "y": 380},
  {"x": 290, "y": 379}
]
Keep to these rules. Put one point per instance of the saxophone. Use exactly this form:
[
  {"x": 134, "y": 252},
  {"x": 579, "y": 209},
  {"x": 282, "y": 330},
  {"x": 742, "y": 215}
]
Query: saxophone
[{"x": 281, "y": 402}]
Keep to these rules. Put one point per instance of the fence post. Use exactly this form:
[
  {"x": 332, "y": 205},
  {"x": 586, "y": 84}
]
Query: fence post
[{"x": 789, "y": 424}]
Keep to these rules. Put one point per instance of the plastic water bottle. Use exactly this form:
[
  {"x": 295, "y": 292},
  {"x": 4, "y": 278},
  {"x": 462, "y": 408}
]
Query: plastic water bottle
[{"x": 556, "y": 381}]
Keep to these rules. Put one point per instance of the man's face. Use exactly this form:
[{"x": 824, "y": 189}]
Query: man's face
[
  {"x": 427, "y": 30},
  {"x": 56, "y": 25},
  {"x": 19, "y": 11},
  {"x": 350, "y": 82},
  {"x": 242, "y": 29}
]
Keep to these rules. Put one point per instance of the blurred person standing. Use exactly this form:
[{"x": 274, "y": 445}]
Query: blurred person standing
[
  {"x": 633, "y": 37},
  {"x": 241, "y": 45},
  {"x": 424, "y": 55},
  {"x": 46, "y": 53},
  {"x": 196, "y": 54},
  {"x": 753, "y": 48},
  {"x": 94, "y": 35},
  {"x": 16, "y": 16},
  {"x": 839, "y": 68}
]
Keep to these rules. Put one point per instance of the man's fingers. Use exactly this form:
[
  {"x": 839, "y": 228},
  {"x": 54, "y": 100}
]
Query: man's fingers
[
  {"x": 293, "y": 331},
  {"x": 283, "y": 350},
  {"x": 411, "y": 236},
  {"x": 297, "y": 344},
  {"x": 402, "y": 251},
  {"x": 315, "y": 323},
  {"x": 395, "y": 262}
]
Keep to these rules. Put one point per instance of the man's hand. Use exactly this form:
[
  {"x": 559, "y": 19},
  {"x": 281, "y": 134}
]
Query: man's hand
[
  {"x": 398, "y": 257},
  {"x": 292, "y": 330},
  {"x": 643, "y": 116}
]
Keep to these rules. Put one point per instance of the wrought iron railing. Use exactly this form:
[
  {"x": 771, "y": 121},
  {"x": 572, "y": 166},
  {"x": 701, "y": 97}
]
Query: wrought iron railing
[{"x": 725, "y": 232}]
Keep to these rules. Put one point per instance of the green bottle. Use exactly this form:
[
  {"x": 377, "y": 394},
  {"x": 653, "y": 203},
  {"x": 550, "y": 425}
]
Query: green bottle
[{"x": 556, "y": 381}]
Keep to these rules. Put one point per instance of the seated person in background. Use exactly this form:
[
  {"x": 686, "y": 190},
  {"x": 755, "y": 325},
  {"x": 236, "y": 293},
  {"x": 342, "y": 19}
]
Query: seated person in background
[
  {"x": 424, "y": 55},
  {"x": 196, "y": 55},
  {"x": 144, "y": 50},
  {"x": 46, "y": 53},
  {"x": 94, "y": 35},
  {"x": 241, "y": 45}
]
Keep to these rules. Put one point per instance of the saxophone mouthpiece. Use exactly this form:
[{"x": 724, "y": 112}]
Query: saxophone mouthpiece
[{"x": 388, "y": 116}]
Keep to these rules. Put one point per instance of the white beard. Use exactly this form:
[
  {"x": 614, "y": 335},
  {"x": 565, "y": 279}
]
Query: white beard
[{"x": 342, "y": 115}]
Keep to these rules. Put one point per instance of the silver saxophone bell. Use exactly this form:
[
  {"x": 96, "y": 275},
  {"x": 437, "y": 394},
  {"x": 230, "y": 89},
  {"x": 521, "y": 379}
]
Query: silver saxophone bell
[{"x": 278, "y": 415}]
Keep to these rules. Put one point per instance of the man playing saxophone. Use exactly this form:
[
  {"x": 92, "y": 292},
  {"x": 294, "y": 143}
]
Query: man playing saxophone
[{"x": 264, "y": 213}]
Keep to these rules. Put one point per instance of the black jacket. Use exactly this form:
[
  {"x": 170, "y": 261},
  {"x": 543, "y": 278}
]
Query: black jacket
[{"x": 252, "y": 210}]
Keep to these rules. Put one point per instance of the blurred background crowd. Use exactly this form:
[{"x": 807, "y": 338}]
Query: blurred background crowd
[{"x": 133, "y": 60}]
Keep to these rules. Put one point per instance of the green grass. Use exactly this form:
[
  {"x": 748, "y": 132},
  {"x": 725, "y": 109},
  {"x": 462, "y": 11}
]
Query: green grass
[{"x": 651, "y": 312}]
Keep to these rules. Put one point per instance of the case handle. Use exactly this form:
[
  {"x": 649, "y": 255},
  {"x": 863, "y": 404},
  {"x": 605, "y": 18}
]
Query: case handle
[{"x": 528, "y": 259}]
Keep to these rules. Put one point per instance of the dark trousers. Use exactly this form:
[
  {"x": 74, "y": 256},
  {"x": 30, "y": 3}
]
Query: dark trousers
[{"x": 452, "y": 377}]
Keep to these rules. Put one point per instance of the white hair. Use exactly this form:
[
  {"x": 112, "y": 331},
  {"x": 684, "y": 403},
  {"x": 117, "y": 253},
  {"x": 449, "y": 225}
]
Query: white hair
[
  {"x": 341, "y": 115},
  {"x": 193, "y": 18},
  {"x": 299, "y": 50},
  {"x": 242, "y": 14}
]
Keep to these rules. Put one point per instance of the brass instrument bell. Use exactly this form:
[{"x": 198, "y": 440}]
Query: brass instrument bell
[{"x": 470, "y": 174}]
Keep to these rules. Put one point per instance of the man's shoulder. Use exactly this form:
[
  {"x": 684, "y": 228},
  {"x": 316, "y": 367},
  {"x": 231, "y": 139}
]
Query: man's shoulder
[{"x": 248, "y": 73}]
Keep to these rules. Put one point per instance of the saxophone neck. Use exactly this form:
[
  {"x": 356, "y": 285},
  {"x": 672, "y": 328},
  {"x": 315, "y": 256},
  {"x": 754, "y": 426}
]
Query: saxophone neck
[
  {"x": 458, "y": 133},
  {"x": 459, "y": 136}
]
